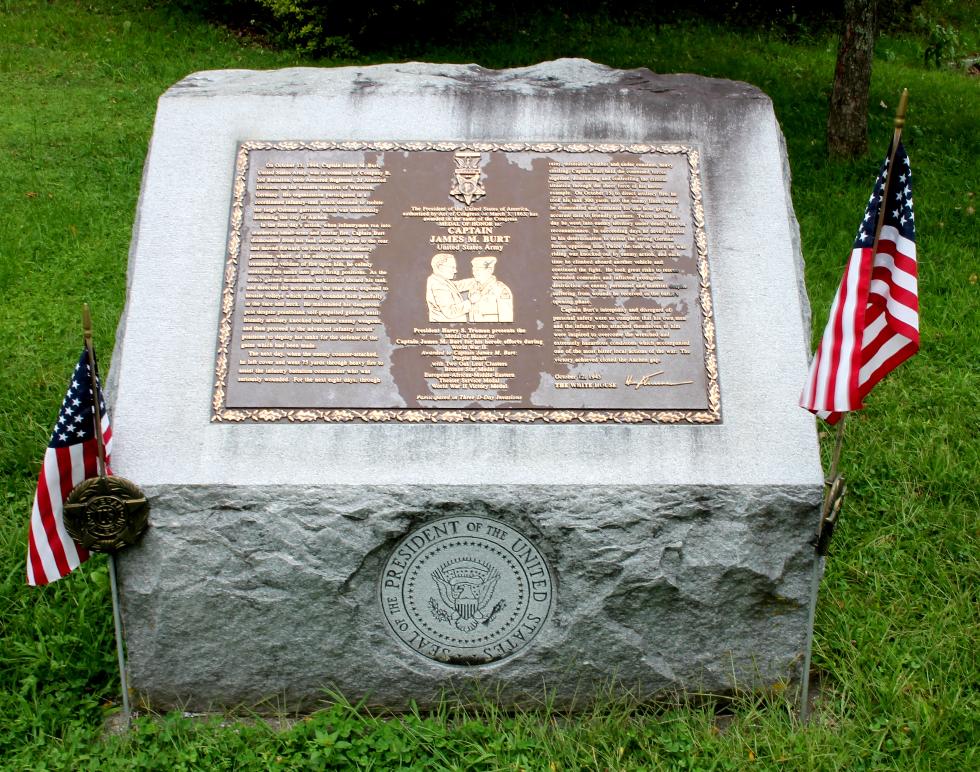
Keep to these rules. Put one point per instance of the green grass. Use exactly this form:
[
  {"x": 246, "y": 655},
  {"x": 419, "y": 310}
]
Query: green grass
[{"x": 897, "y": 625}]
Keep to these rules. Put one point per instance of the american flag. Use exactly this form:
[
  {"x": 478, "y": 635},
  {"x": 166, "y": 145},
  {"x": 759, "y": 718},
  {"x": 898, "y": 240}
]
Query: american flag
[
  {"x": 72, "y": 456},
  {"x": 874, "y": 320}
]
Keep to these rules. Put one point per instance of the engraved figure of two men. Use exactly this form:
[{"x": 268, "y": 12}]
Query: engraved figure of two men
[{"x": 482, "y": 298}]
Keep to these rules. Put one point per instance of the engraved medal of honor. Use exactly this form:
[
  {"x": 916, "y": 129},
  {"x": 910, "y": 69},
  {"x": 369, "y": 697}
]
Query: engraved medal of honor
[
  {"x": 466, "y": 185},
  {"x": 466, "y": 590}
]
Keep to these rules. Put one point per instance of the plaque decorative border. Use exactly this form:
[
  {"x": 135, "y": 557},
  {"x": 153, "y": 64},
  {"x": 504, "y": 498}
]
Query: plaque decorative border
[{"x": 223, "y": 414}]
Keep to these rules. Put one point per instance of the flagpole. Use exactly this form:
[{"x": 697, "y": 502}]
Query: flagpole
[
  {"x": 103, "y": 472},
  {"x": 834, "y": 494},
  {"x": 819, "y": 561},
  {"x": 903, "y": 103},
  {"x": 90, "y": 350}
]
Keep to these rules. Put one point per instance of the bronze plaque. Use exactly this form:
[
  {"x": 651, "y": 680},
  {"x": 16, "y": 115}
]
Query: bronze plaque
[{"x": 387, "y": 281}]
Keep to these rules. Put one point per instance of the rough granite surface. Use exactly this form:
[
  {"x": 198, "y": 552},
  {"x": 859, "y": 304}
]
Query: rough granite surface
[
  {"x": 680, "y": 554},
  {"x": 271, "y": 593}
]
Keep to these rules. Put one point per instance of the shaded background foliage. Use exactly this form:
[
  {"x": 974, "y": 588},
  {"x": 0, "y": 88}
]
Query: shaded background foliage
[{"x": 339, "y": 27}]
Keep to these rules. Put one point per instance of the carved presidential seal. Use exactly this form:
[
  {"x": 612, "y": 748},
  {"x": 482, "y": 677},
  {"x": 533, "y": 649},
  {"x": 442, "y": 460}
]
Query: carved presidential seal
[{"x": 466, "y": 590}]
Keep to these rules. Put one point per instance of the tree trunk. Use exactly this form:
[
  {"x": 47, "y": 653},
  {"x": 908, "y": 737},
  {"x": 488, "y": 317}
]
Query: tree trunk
[{"x": 847, "y": 128}]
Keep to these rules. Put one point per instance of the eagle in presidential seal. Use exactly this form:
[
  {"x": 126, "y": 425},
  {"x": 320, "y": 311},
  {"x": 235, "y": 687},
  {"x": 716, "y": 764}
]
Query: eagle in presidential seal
[{"x": 466, "y": 589}]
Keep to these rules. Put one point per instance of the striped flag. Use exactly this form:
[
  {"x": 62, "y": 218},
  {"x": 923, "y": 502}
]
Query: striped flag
[
  {"x": 874, "y": 319},
  {"x": 72, "y": 456}
]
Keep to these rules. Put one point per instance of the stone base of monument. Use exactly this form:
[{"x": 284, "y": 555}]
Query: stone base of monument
[
  {"x": 402, "y": 557},
  {"x": 272, "y": 593}
]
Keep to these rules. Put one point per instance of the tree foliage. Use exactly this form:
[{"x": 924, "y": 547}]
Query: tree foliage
[{"x": 331, "y": 27}]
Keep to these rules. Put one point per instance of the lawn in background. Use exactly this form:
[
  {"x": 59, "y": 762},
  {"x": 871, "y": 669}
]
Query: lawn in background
[{"x": 897, "y": 625}]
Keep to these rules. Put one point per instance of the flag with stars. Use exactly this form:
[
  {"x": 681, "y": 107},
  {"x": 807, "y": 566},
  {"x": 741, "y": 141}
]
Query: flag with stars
[
  {"x": 874, "y": 320},
  {"x": 72, "y": 456}
]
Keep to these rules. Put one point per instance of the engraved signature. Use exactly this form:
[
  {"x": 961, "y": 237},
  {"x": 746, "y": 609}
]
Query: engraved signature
[{"x": 647, "y": 380}]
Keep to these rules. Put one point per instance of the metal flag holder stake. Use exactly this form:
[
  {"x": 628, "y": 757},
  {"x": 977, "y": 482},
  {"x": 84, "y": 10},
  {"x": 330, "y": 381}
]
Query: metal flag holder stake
[
  {"x": 834, "y": 486},
  {"x": 106, "y": 513}
]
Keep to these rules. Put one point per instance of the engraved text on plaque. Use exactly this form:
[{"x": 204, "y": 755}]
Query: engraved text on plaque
[{"x": 466, "y": 282}]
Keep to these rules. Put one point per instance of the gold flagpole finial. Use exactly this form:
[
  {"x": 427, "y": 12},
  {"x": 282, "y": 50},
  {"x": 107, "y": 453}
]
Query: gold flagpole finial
[
  {"x": 86, "y": 323},
  {"x": 903, "y": 103}
]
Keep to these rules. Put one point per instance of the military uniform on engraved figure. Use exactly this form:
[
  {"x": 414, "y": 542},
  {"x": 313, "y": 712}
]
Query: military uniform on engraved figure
[
  {"x": 490, "y": 299},
  {"x": 442, "y": 294}
]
